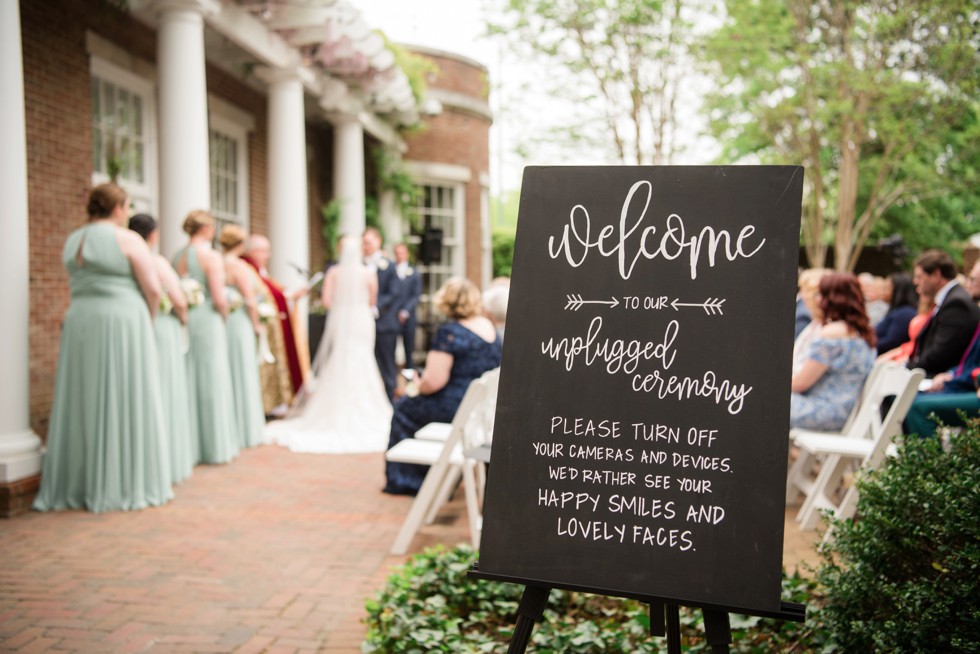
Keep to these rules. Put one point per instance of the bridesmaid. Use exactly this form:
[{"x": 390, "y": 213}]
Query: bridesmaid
[
  {"x": 243, "y": 331},
  {"x": 209, "y": 375},
  {"x": 106, "y": 444},
  {"x": 170, "y": 349}
]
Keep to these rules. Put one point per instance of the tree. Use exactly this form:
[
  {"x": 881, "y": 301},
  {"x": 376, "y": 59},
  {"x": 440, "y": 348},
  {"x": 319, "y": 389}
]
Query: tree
[
  {"x": 867, "y": 95},
  {"x": 620, "y": 64}
]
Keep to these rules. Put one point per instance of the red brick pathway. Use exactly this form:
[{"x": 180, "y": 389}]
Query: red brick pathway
[{"x": 275, "y": 552}]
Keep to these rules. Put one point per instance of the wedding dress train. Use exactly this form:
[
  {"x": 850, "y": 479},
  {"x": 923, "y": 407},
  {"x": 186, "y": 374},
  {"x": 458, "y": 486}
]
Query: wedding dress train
[{"x": 344, "y": 407}]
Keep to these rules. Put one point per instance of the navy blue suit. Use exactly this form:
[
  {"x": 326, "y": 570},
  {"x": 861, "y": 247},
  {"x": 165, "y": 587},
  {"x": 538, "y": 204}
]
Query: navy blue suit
[
  {"x": 386, "y": 325},
  {"x": 406, "y": 297}
]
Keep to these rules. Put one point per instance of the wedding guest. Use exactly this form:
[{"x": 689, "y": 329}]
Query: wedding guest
[
  {"x": 168, "y": 328},
  {"x": 495, "y": 304},
  {"x": 106, "y": 441},
  {"x": 874, "y": 305},
  {"x": 951, "y": 399},
  {"x": 387, "y": 326},
  {"x": 837, "y": 360},
  {"x": 407, "y": 289},
  {"x": 944, "y": 338},
  {"x": 809, "y": 286},
  {"x": 212, "y": 406},
  {"x": 244, "y": 329},
  {"x": 463, "y": 349},
  {"x": 281, "y": 378},
  {"x": 903, "y": 303}
]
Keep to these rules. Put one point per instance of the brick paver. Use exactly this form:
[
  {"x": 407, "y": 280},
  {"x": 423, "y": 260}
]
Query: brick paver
[{"x": 274, "y": 552}]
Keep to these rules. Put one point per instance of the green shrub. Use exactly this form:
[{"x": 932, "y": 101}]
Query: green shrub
[
  {"x": 503, "y": 253},
  {"x": 430, "y": 605},
  {"x": 905, "y": 576}
]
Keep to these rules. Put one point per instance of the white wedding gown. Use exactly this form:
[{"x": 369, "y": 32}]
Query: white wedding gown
[{"x": 345, "y": 408}]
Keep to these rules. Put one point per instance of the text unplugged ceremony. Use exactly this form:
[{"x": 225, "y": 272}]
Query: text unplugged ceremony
[{"x": 640, "y": 437}]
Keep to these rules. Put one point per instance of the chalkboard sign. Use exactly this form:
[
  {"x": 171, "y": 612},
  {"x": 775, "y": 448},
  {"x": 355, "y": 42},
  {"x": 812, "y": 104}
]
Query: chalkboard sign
[{"x": 642, "y": 420}]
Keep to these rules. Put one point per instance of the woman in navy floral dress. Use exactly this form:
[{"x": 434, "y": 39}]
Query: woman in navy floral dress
[{"x": 463, "y": 349}]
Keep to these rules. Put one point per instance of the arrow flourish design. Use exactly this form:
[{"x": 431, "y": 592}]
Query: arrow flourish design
[
  {"x": 575, "y": 302},
  {"x": 711, "y": 306}
]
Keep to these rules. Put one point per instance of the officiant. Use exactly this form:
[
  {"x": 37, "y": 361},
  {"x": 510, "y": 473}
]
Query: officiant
[{"x": 283, "y": 377}]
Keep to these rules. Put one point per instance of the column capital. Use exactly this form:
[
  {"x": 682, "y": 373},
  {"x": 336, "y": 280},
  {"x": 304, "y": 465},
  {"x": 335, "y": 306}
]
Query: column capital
[
  {"x": 273, "y": 75},
  {"x": 200, "y": 7},
  {"x": 339, "y": 103}
]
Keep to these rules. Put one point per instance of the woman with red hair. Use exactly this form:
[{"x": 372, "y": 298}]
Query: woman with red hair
[{"x": 839, "y": 358}]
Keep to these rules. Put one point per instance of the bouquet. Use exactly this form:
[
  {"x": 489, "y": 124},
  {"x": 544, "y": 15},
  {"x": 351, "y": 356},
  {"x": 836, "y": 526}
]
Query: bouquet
[
  {"x": 193, "y": 291},
  {"x": 235, "y": 299},
  {"x": 267, "y": 312},
  {"x": 166, "y": 305}
]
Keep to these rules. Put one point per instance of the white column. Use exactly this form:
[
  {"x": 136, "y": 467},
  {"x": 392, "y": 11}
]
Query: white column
[
  {"x": 348, "y": 170},
  {"x": 185, "y": 180},
  {"x": 20, "y": 448},
  {"x": 289, "y": 229}
]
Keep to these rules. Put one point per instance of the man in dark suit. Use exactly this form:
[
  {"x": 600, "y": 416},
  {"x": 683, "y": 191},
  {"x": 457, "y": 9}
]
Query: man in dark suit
[
  {"x": 408, "y": 288},
  {"x": 941, "y": 343},
  {"x": 386, "y": 318}
]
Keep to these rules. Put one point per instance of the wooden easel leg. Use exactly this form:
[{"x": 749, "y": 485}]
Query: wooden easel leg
[
  {"x": 718, "y": 631},
  {"x": 529, "y": 611}
]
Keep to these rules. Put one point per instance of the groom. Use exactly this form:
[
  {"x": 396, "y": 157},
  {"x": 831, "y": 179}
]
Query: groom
[{"x": 386, "y": 318}]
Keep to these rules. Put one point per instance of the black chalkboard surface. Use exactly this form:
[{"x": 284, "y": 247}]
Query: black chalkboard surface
[{"x": 640, "y": 441}]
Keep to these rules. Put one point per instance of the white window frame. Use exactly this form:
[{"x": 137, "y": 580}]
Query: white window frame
[
  {"x": 238, "y": 133},
  {"x": 143, "y": 196}
]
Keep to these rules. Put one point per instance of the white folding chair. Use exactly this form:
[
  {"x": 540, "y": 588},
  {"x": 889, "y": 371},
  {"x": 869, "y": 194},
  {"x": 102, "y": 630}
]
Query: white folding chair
[
  {"x": 867, "y": 446},
  {"x": 798, "y": 479},
  {"x": 477, "y": 434},
  {"x": 445, "y": 461}
]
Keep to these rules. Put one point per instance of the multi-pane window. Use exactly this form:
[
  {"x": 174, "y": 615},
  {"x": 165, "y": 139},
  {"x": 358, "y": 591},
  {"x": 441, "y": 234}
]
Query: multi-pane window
[
  {"x": 122, "y": 132},
  {"x": 228, "y": 150},
  {"x": 439, "y": 207}
]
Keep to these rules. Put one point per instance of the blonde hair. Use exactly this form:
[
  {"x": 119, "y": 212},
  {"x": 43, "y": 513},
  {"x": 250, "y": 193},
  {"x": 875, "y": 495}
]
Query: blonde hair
[
  {"x": 458, "y": 298},
  {"x": 231, "y": 237},
  {"x": 197, "y": 220}
]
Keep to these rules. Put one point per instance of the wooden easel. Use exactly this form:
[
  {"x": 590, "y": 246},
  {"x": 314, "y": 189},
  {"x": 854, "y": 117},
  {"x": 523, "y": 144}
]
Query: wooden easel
[{"x": 664, "y": 615}]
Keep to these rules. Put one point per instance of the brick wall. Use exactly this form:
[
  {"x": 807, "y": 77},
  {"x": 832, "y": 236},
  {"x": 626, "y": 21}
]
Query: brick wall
[
  {"x": 59, "y": 155},
  {"x": 460, "y": 138}
]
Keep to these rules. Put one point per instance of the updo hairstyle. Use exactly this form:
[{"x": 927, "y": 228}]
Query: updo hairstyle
[
  {"x": 143, "y": 224},
  {"x": 104, "y": 199},
  {"x": 196, "y": 221},
  {"x": 458, "y": 299},
  {"x": 231, "y": 237}
]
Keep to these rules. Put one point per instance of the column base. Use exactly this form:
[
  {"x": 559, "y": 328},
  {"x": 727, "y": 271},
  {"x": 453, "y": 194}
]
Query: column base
[
  {"x": 16, "y": 497},
  {"x": 20, "y": 456}
]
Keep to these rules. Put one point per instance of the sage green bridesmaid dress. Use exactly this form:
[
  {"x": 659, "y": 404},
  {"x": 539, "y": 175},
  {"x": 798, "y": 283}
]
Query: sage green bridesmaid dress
[
  {"x": 176, "y": 399},
  {"x": 242, "y": 355},
  {"x": 212, "y": 405},
  {"x": 107, "y": 444}
]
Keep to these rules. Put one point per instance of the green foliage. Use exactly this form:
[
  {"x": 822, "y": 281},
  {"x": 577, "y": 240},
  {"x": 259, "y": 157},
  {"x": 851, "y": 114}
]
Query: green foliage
[
  {"x": 903, "y": 577},
  {"x": 430, "y": 605},
  {"x": 868, "y": 95},
  {"x": 503, "y": 253},
  {"x": 620, "y": 65},
  {"x": 393, "y": 177}
]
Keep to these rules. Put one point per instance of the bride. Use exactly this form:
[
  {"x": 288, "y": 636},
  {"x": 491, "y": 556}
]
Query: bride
[{"x": 344, "y": 408}]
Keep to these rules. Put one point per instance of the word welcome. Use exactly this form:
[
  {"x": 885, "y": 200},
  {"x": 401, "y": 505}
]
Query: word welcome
[{"x": 576, "y": 239}]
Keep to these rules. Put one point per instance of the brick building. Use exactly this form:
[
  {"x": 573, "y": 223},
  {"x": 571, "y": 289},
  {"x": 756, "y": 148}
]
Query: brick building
[{"x": 263, "y": 113}]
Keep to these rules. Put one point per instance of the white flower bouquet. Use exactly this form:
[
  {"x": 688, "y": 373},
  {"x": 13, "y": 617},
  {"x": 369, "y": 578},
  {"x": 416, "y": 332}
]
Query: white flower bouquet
[
  {"x": 267, "y": 312},
  {"x": 193, "y": 291},
  {"x": 235, "y": 299}
]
